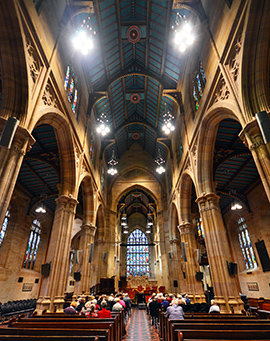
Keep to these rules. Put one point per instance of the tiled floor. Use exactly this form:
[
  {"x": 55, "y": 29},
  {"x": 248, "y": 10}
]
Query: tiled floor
[{"x": 139, "y": 327}]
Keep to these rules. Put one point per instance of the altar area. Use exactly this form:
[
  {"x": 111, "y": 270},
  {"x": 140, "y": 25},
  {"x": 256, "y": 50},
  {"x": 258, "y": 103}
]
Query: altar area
[{"x": 141, "y": 288}]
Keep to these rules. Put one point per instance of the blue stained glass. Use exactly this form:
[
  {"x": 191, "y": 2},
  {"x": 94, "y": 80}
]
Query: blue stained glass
[
  {"x": 195, "y": 97},
  {"x": 4, "y": 227},
  {"x": 202, "y": 74},
  {"x": 71, "y": 89},
  {"x": 67, "y": 78},
  {"x": 35, "y": 252},
  {"x": 32, "y": 246},
  {"x": 137, "y": 255},
  {"x": 74, "y": 104},
  {"x": 199, "y": 86},
  {"x": 245, "y": 244}
]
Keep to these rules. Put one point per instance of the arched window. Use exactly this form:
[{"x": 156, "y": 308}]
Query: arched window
[
  {"x": 245, "y": 244},
  {"x": 198, "y": 85},
  {"x": 137, "y": 254},
  {"x": 200, "y": 230},
  {"x": 4, "y": 226},
  {"x": 32, "y": 245},
  {"x": 71, "y": 88}
]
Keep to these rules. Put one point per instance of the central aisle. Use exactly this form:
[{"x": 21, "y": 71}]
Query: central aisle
[{"x": 139, "y": 327}]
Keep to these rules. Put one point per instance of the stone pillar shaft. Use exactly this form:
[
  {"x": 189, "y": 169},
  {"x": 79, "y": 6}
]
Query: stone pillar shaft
[
  {"x": 54, "y": 286},
  {"x": 194, "y": 287},
  {"x": 216, "y": 240},
  {"x": 10, "y": 164},
  {"x": 87, "y": 237}
]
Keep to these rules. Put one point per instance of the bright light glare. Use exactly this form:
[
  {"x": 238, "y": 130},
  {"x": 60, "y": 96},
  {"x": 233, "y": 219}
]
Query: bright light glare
[
  {"x": 184, "y": 37},
  {"x": 40, "y": 209},
  {"x": 112, "y": 171},
  {"x": 82, "y": 42},
  {"x": 160, "y": 169}
]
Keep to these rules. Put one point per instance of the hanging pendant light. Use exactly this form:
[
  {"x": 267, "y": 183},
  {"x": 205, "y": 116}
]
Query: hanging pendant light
[
  {"x": 160, "y": 161},
  {"x": 83, "y": 39},
  {"x": 184, "y": 36},
  {"x": 168, "y": 118},
  {"x": 112, "y": 163}
]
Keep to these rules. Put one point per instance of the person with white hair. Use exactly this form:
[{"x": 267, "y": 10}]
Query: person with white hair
[
  {"x": 175, "y": 311},
  {"x": 214, "y": 307}
]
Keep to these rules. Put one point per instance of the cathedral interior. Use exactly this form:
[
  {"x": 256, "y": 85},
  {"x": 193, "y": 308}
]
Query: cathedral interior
[{"x": 135, "y": 148}]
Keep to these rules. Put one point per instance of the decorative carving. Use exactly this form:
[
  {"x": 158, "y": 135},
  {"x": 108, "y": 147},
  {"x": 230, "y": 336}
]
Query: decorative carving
[
  {"x": 256, "y": 145},
  {"x": 33, "y": 60},
  {"x": 234, "y": 62},
  {"x": 134, "y": 282},
  {"x": 49, "y": 97},
  {"x": 194, "y": 153},
  {"x": 188, "y": 165},
  {"x": 100, "y": 242},
  {"x": 51, "y": 156},
  {"x": 222, "y": 92},
  {"x": 175, "y": 241}
]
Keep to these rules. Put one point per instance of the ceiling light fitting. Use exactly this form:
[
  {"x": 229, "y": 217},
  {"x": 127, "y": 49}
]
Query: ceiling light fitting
[
  {"x": 160, "y": 161},
  {"x": 235, "y": 205},
  {"x": 168, "y": 118},
  {"x": 183, "y": 33},
  {"x": 102, "y": 127},
  {"x": 83, "y": 39},
  {"x": 112, "y": 163},
  {"x": 40, "y": 209}
]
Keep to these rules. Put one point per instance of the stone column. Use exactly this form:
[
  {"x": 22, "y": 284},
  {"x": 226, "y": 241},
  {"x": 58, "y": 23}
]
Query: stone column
[
  {"x": 176, "y": 268},
  {"x": 10, "y": 164},
  {"x": 194, "y": 287},
  {"x": 53, "y": 287},
  {"x": 87, "y": 237},
  {"x": 98, "y": 260},
  {"x": 216, "y": 240},
  {"x": 252, "y": 138}
]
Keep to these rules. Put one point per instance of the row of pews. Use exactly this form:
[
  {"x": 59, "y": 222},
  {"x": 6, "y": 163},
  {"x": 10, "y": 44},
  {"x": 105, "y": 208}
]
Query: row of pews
[
  {"x": 58, "y": 326},
  {"x": 202, "y": 327}
]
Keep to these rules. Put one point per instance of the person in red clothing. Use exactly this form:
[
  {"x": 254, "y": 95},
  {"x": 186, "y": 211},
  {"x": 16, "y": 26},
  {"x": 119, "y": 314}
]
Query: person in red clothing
[{"x": 103, "y": 313}]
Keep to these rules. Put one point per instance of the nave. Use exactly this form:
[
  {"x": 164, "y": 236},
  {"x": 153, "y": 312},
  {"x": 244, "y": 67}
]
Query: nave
[{"x": 139, "y": 327}]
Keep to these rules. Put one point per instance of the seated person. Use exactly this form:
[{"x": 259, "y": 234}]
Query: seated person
[
  {"x": 175, "y": 311},
  {"x": 71, "y": 309},
  {"x": 214, "y": 307},
  {"x": 117, "y": 306},
  {"x": 90, "y": 310},
  {"x": 104, "y": 313}
]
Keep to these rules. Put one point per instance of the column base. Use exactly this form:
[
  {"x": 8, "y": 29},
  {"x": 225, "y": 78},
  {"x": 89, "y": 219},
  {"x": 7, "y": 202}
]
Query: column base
[
  {"x": 57, "y": 305},
  {"x": 43, "y": 303},
  {"x": 236, "y": 305}
]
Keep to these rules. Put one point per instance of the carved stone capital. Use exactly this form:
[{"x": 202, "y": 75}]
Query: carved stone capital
[
  {"x": 100, "y": 242},
  {"x": 175, "y": 241},
  {"x": 66, "y": 202},
  {"x": 89, "y": 228},
  {"x": 185, "y": 228},
  {"x": 208, "y": 202}
]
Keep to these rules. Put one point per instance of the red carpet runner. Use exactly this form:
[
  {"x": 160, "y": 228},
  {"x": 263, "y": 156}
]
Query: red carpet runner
[{"x": 139, "y": 327}]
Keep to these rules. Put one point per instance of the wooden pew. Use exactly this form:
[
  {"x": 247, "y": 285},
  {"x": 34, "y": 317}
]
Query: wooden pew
[
  {"x": 203, "y": 335},
  {"x": 49, "y": 338},
  {"x": 67, "y": 334},
  {"x": 215, "y": 324},
  {"x": 105, "y": 326},
  {"x": 117, "y": 336}
]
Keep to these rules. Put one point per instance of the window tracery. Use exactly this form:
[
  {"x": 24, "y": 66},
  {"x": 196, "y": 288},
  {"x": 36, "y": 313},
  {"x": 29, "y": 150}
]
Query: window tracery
[
  {"x": 4, "y": 226},
  {"x": 138, "y": 255},
  {"x": 199, "y": 83},
  {"x": 70, "y": 85},
  {"x": 32, "y": 245},
  {"x": 245, "y": 244}
]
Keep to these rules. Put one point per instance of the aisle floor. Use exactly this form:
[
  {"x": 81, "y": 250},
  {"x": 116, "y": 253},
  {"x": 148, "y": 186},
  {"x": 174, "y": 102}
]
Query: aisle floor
[{"x": 139, "y": 327}]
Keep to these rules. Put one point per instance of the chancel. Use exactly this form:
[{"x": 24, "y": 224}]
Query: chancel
[{"x": 134, "y": 153}]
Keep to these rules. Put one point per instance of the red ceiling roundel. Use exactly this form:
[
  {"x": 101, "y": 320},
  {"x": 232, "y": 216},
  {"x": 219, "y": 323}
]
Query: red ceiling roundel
[
  {"x": 135, "y": 137},
  {"x": 135, "y": 98},
  {"x": 133, "y": 34}
]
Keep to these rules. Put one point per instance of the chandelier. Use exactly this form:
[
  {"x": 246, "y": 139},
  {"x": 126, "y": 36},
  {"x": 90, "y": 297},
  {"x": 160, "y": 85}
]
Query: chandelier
[
  {"x": 168, "y": 121},
  {"x": 235, "y": 205},
  {"x": 183, "y": 33},
  {"x": 102, "y": 127},
  {"x": 160, "y": 161},
  {"x": 112, "y": 163},
  {"x": 83, "y": 39}
]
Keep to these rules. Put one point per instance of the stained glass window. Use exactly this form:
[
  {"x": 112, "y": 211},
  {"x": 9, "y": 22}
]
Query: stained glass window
[
  {"x": 32, "y": 245},
  {"x": 199, "y": 228},
  {"x": 67, "y": 78},
  {"x": 246, "y": 246},
  {"x": 4, "y": 226},
  {"x": 138, "y": 254},
  {"x": 71, "y": 89},
  {"x": 198, "y": 85},
  {"x": 74, "y": 103}
]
